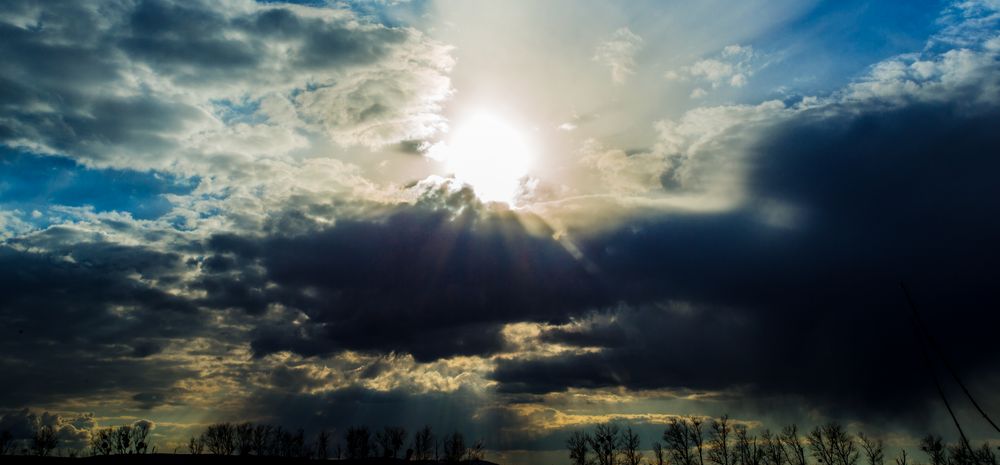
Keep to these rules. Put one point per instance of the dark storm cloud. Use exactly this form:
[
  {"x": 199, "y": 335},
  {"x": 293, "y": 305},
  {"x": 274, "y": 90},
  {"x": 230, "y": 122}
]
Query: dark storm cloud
[
  {"x": 811, "y": 309},
  {"x": 79, "y": 320},
  {"x": 600, "y": 334},
  {"x": 419, "y": 280}
]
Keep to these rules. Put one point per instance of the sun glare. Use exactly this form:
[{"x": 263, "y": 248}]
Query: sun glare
[{"x": 489, "y": 154}]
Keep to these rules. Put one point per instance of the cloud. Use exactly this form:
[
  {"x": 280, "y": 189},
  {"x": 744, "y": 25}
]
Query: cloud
[
  {"x": 150, "y": 85},
  {"x": 935, "y": 78},
  {"x": 12, "y": 223},
  {"x": 618, "y": 53},
  {"x": 623, "y": 173},
  {"x": 710, "y": 296},
  {"x": 436, "y": 279},
  {"x": 732, "y": 67},
  {"x": 712, "y": 282},
  {"x": 283, "y": 284},
  {"x": 114, "y": 307},
  {"x": 73, "y": 432},
  {"x": 386, "y": 105},
  {"x": 702, "y": 156},
  {"x": 834, "y": 201},
  {"x": 965, "y": 24}
]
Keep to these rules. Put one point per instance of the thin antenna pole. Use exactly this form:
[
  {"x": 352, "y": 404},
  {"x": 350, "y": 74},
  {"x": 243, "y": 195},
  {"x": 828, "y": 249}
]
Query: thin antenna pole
[
  {"x": 944, "y": 359},
  {"x": 930, "y": 368}
]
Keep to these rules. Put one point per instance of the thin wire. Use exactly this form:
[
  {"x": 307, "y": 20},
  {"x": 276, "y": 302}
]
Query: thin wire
[
  {"x": 930, "y": 368},
  {"x": 947, "y": 364}
]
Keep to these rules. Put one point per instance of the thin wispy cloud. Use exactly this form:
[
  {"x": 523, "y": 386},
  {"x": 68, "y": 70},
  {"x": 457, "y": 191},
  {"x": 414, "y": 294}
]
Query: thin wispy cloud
[{"x": 618, "y": 54}]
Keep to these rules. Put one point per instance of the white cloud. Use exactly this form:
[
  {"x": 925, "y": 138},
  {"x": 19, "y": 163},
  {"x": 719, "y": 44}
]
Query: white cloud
[
  {"x": 965, "y": 50},
  {"x": 621, "y": 173},
  {"x": 12, "y": 224},
  {"x": 618, "y": 53},
  {"x": 732, "y": 67},
  {"x": 383, "y": 105},
  {"x": 928, "y": 78}
]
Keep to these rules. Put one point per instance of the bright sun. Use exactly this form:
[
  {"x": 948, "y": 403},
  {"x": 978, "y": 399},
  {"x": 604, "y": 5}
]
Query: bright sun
[{"x": 489, "y": 154}]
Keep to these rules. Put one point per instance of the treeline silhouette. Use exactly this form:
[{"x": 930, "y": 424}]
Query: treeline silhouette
[
  {"x": 121, "y": 440},
  {"x": 114, "y": 440},
  {"x": 690, "y": 441},
  {"x": 265, "y": 440},
  {"x": 358, "y": 443},
  {"x": 42, "y": 442}
]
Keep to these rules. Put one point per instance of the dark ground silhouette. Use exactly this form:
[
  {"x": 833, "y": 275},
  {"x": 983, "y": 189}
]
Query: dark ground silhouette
[{"x": 189, "y": 459}]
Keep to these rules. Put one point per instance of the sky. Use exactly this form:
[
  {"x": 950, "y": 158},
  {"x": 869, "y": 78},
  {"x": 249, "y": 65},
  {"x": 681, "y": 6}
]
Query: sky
[{"x": 514, "y": 219}]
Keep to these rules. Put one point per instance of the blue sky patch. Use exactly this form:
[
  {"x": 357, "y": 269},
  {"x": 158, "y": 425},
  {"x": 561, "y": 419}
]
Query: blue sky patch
[{"x": 31, "y": 182}]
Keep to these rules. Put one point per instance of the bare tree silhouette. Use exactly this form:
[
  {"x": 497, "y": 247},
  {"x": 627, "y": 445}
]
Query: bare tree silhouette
[
  {"x": 940, "y": 453},
  {"x": 630, "y": 445},
  {"x": 901, "y": 460},
  {"x": 390, "y": 440},
  {"x": 322, "y": 444},
  {"x": 44, "y": 441},
  {"x": 578, "y": 446},
  {"x": 872, "y": 449},
  {"x": 122, "y": 439},
  {"x": 772, "y": 451},
  {"x": 358, "y": 439},
  {"x": 220, "y": 438},
  {"x": 382, "y": 443},
  {"x": 423, "y": 443},
  {"x": 985, "y": 455},
  {"x": 679, "y": 441},
  {"x": 196, "y": 446},
  {"x": 719, "y": 443},
  {"x": 244, "y": 438},
  {"x": 140, "y": 437},
  {"x": 260, "y": 441},
  {"x": 747, "y": 450},
  {"x": 605, "y": 443},
  {"x": 101, "y": 442},
  {"x": 795, "y": 451},
  {"x": 276, "y": 442},
  {"x": 698, "y": 437},
  {"x": 830, "y": 444},
  {"x": 961, "y": 453},
  {"x": 454, "y": 447},
  {"x": 281, "y": 443},
  {"x": 297, "y": 445},
  {"x": 6, "y": 443},
  {"x": 476, "y": 451},
  {"x": 397, "y": 437}
]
